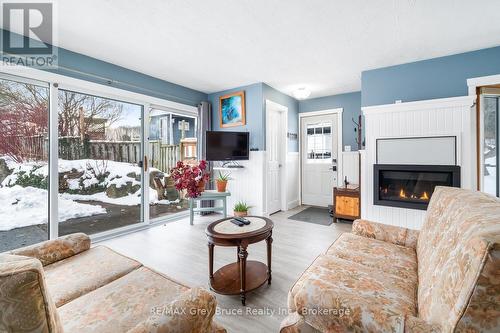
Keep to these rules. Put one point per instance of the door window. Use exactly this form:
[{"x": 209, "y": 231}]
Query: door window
[{"x": 319, "y": 143}]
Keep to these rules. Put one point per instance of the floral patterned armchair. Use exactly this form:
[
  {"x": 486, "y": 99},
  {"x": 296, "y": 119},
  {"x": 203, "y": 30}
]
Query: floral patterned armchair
[{"x": 380, "y": 278}]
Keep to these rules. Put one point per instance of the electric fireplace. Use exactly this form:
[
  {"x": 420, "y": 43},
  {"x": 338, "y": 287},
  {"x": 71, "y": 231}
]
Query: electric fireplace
[{"x": 411, "y": 186}]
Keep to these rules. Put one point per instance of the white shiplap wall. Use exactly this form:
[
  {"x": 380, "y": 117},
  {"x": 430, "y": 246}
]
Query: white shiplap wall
[
  {"x": 439, "y": 117},
  {"x": 247, "y": 184}
]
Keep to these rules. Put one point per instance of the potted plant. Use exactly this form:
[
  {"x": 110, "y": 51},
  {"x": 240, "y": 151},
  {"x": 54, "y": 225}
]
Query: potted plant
[
  {"x": 241, "y": 209},
  {"x": 191, "y": 178},
  {"x": 222, "y": 181}
]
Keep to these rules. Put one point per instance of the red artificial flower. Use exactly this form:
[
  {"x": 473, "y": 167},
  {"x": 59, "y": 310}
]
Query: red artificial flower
[{"x": 190, "y": 178}]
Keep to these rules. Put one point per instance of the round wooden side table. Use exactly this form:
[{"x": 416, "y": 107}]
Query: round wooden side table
[{"x": 241, "y": 276}]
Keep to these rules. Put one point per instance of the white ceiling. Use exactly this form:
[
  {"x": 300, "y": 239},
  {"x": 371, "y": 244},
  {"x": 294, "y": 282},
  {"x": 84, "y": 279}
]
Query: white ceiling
[{"x": 212, "y": 45}]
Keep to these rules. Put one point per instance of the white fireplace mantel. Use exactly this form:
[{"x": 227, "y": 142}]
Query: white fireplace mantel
[{"x": 439, "y": 117}]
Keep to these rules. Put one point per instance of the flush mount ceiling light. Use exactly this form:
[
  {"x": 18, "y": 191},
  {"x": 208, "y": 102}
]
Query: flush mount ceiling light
[{"x": 301, "y": 93}]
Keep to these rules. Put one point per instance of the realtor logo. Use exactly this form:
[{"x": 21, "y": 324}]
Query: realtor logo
[{"x": 28, "y": 34}]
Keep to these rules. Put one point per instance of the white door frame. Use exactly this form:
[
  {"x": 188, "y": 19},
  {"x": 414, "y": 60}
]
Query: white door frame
[
  {"x": 270, "y": 105},
  {"x": 338, "y": 112},
  {"x": 473, "y": 83}
]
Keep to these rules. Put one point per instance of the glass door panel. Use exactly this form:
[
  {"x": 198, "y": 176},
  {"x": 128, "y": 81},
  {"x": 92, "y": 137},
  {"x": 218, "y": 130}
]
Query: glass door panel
[
  {"x": 100, "y": 163},
  {"x": 172, "y": 138},
  {"x": 24, "y": 143}
]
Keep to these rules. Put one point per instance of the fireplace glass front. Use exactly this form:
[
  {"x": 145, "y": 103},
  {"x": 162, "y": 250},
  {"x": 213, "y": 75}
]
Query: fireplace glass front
[{"x": 411, "y": 186}]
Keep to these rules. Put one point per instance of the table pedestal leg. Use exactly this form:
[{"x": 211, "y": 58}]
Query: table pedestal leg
[
  {"x": 242, "y": 255},
  {"x": 269, "y": 242},
  {"x": 211, "y": 260}
]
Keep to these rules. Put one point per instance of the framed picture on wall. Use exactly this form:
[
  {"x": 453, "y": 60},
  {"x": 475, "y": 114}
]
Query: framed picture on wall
[{"x": 232, "y": 109}]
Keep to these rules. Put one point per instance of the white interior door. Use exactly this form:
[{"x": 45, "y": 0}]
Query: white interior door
[
  {"x": 319, "y": 156},
  {"x": 274, "y": 148}
]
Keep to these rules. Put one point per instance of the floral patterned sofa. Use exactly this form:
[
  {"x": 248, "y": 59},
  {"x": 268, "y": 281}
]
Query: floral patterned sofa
[
  {"x": 64, "y": 285},
  {"x": 380, "y": 278}
]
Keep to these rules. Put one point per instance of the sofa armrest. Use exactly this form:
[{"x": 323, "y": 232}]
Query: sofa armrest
[
  {"x": 191, "y": 312},
  {"x": 25, "y": 303},
  {"x": 295, "y": 323},
  {"x": 387, "y": 233},
  {"x": 417, "y": 325},
  {"x": 54, "y": 250}
]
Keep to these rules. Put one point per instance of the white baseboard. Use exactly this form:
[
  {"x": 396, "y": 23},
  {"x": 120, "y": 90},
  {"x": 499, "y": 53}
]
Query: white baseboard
[{"x": 293, "y": 204}]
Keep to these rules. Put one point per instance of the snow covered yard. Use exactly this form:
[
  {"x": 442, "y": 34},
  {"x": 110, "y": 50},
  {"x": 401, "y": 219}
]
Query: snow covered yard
[
  {"x": 24, "y": 195},
  {"x": 25, "y": 206}
]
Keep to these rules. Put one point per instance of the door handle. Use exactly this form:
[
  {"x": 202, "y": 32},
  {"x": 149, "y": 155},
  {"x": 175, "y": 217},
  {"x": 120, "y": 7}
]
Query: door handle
[
  {"x": 143, "y": 163},
  {"x": 333, "y": 168}
]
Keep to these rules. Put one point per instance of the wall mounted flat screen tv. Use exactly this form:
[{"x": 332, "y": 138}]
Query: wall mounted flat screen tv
[{"x": 227, "y": 146}]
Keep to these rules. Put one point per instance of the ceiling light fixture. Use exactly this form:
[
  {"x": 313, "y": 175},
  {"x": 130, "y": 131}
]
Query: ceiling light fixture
[{"x": 301, "y": 93}]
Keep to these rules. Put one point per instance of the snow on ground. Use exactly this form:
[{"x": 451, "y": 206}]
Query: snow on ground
[
  {"x": 25, "y": 206},
  {"x": 129, "y": 200},
  {"x": 490, "y": 181},
  {"x": 29, "y": 204}
]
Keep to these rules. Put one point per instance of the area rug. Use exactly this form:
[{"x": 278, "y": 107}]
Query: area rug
[{"x": 316, "y": 215}]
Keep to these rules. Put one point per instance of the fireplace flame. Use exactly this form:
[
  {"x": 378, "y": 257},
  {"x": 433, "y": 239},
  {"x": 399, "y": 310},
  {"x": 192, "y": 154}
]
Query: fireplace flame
[
  {"x": 424, "y": 196},
  {"x": 402, "y": 194}
]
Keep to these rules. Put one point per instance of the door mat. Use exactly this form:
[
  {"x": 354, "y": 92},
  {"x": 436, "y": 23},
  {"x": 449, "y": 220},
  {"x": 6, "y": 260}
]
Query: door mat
[{"x": 316, "y": 215}]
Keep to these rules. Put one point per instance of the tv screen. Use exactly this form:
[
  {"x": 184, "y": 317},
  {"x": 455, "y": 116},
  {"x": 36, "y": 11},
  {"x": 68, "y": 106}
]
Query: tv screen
[{"x": 227, "y": 146}]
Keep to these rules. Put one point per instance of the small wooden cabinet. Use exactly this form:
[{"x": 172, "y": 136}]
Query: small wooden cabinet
[{"x": 346, "y": 203}]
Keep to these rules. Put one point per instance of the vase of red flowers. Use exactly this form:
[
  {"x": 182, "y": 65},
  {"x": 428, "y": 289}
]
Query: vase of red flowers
[{"x": 191, "y": 178}]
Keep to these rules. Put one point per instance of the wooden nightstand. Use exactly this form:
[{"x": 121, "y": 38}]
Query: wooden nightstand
[{"x": 346, "y": 203}]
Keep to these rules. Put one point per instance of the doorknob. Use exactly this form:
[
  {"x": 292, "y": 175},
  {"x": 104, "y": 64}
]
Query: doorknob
[{"x": 333, "y": 168}]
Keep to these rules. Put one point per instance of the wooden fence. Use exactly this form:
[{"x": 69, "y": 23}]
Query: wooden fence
[{"x": 162, "y": 156}]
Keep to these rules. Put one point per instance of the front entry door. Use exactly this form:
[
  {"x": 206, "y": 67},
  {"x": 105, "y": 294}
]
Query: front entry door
[{"x": 319, "y": 159}]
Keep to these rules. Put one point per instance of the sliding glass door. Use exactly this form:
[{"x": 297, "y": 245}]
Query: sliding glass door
[
  {"x": 172, "y": 138},
  {"x": 100, "y": 163},
  {"x": 491, "y": 125},
  {"x": 24, "y": 151},
  {"x": 74, "y": 161}
]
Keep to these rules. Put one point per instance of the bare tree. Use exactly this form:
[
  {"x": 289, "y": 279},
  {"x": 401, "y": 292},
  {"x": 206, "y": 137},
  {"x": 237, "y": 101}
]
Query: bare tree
[{"x": 72, "y": 104}]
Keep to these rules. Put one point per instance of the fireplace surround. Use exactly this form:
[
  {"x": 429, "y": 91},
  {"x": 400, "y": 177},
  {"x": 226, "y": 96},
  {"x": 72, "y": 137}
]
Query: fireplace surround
[{"x": 411, "y": 186}]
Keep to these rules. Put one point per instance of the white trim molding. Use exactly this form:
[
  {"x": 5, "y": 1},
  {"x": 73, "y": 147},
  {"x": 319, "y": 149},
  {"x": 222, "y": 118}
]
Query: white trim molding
[
  {"x": 450, "y": 102},
  {"x": 475, "y": 82}
]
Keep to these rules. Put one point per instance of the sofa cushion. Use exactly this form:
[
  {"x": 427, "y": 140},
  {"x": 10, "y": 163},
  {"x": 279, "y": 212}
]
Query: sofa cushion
[
  {"x": 378, "y": 255},
  {"x": 376, "y": 301},
  {"x": 77, "y": 275},
  {"x": 456, "y": 243},
  {"x": 121, "y": 304}
]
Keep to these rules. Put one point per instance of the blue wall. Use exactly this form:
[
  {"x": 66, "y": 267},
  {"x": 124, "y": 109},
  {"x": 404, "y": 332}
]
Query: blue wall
[
  {"x": 428, "y": 79},
  {"x": 90, "y": 69},
  {"x": 253, "y": 110},
  {"x": 350, "y": 102},
  {"x": 293, "y": 112},
  {"x": 255, "y": 100}
]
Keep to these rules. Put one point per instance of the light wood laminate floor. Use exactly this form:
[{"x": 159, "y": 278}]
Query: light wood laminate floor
[{"x": 180, "y": 251}]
